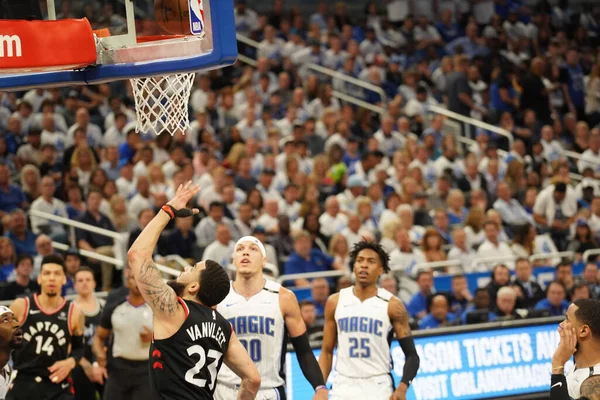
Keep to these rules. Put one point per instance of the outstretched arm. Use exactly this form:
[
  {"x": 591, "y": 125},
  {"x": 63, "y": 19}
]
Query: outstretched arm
[
  {"x": 399, "y": 318},
  {"x": 161, "y": 297},
  {"x": 299, "y": 338}
]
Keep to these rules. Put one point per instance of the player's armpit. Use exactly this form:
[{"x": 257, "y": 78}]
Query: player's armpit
[
  {"x": 160, "y": 296},
  {"x": 399, "y": 318},
  {"x": 590, "y": 388},
  {"x": 238, "y": 360},
  {"x": 291, "y": 313},
  {"x": 329, "y": 336}
]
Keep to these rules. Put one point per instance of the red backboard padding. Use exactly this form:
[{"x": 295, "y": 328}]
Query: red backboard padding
[{"x": 29, "y": 46}]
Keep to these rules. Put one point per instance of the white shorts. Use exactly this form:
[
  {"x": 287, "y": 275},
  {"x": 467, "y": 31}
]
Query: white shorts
[
  {"x": 225, "y": 392},
  {"x": 375, "y": 387}
]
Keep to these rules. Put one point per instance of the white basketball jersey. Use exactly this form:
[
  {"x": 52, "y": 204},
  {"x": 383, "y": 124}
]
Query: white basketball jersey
[
  {"x": 364, "y": 334},
  {"x": 5, "y": 379},
  {"x": 576, "y": 377},
  {"x": 259, "y": 325}
]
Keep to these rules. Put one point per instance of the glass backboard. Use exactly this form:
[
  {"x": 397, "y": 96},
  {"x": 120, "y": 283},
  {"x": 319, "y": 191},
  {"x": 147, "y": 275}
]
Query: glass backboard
[{"x": 131, "y": 44}]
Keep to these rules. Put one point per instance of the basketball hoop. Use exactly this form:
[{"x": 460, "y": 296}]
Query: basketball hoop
[{"x": 161, "y": 102}]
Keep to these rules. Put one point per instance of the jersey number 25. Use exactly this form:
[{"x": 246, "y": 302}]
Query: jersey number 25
[
  {"x": 196, "y": 369},
  {"x": 359, "y": 348}
]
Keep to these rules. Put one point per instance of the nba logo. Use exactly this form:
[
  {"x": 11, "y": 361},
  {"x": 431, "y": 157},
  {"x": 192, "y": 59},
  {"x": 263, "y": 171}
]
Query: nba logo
[{"x": 196, "y": 17}]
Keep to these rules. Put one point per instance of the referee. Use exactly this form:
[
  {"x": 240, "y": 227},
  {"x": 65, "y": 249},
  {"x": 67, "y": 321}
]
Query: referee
[{"x": 580, "y": 339}]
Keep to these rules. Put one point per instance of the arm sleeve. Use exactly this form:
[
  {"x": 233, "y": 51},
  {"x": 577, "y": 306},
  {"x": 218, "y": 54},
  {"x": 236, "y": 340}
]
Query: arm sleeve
[
  {"x": 77, "y": 347},
  {"x": 412, "y": 360},
  {"x": 558, "y": 387},
  {"x": 308, "y": 362}
]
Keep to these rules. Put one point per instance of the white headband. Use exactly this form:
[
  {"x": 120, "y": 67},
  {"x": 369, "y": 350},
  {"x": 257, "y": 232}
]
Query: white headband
[
  {"x": 255, "y": 241},
  {"x": 4, "y": 310}
]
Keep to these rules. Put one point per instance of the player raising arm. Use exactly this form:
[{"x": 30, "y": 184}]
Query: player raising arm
[
  {"x": 191, "y": 340},
  {"x": 359, "y": 320}
]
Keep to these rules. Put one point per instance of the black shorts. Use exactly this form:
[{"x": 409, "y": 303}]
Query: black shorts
[{"x": 26, "y": 387}]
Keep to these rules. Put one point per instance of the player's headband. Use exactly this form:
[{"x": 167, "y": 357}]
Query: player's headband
[
  {"x": 255, "y": 241},
  {"x": 4, "y": 310}
]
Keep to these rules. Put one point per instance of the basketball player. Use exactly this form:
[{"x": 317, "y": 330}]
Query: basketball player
[
  {"x": 361, "y": 320},
  {"x": 191, "y": 340},
  {"x": 85, "y": 374},
  {"x": 261, "y": 312},
  {"x": 51, "y": 326},
  {"x": 580, "y": 338},
  {"x": 11, "y": 337}
]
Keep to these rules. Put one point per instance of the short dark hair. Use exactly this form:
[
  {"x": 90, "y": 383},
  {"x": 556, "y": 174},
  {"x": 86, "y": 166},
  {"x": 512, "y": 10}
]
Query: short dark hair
[
  {"x": 559, "y": 283},
  {"x": 384, "y": 257},
  {"x": 458, "y": 276},
  {"x": 85, "y": 269},
  {"x": 215, "y": 204},
  {"x": 563, "y": 263},
  {"x": 421, "y": 273},
  {"x": 306, "y": 303},
  {"x": 23, "y": 257},
  {"x": 54, "y": 259},
  {"x": 588, "y": 313},
  {"x": 214, "y": 284}
]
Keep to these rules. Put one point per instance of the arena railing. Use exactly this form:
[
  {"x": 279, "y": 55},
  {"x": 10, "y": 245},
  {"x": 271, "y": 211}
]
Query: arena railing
[
  {"x": 322, "y": 70},
  {"x": 178, "y": 259},
  {"x": 311, "y": 275},
  {"x": 560, "y": 254},
  {"x": 586, "y": 254},
  {"x": 580, "y": 157},
  {"x": 468, "y": 121}
]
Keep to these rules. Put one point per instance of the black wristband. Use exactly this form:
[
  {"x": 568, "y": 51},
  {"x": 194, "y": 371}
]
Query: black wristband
[{"x": 173, "y": 213}]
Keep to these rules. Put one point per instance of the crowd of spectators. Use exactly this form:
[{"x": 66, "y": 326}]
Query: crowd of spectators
[{"x": 278, "y": 156}]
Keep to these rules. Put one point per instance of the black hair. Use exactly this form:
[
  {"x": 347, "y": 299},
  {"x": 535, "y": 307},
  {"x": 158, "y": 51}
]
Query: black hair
[
  {"x": 215, "y": 204},
  {"x": 588, "y": 313},
  {"x": 433, "y": 296},
  {"x": 384, "y": 257},
  {"x": 559, "y": 283},
  {"x": 54, "y": 259},
  {"x": 479, "y": 290},
  {"x": 85, "y": 269},
  {"x": 458, "y": 276},
  {"x": 306, "y": 303},
  {"x": 23, "y": 257},
  {"x": 563, "y": 263},
  {"x": 214, "y": 284}
]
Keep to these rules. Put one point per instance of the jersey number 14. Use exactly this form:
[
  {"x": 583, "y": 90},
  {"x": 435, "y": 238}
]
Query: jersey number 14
[
  {"x": 190, "y": 375},
  {"x": 44, "y": 346}
]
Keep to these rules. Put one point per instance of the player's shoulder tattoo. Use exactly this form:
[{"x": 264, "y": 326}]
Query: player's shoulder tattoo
[
  {"x": 161, "y": 296},
  {"x": 590, "y": 388},
  {"x": 397, "y": 311}
]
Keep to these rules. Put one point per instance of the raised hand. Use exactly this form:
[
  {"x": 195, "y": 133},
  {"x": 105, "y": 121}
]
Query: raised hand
[
  {"x": 183, "y": 195},
  {"x": 567, "y": 346}
]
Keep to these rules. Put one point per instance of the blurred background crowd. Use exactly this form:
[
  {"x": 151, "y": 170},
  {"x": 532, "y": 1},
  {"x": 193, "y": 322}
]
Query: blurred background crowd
[{"x": 311, "y": 163}]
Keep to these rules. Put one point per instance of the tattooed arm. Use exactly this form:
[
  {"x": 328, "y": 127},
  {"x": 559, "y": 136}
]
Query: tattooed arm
[
  {"x": 399, "y": 319},
  {"x": 590, "y": 388},
  {"x": 161, "y": 297}
]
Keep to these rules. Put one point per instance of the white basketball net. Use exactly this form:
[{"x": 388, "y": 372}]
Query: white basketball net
[{"x": 161, "y": 102}]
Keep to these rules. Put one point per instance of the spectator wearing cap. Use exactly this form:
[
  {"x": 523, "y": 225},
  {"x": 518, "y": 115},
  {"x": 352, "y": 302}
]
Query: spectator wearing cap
[
  {"x": 355, "y": 187},
  {"x": 305, "y": 258},
  {"x": 47, "y": 203},
  {"x": 221, "y": 249},
  {"x": 555, "y": 210},
  {"x": 511, "y": 211},
  {"x": 555, "y": 302},
  {"x": 206, "y": 229},
  {"x": 30, "y": 152},
  {"x": 492, "y": 246},
  {"x": 11, "y": 196},
  {"x": 23, "y": 285},
  {"x": 389, "y": 139},
  {"x": 265, "y": 184}
]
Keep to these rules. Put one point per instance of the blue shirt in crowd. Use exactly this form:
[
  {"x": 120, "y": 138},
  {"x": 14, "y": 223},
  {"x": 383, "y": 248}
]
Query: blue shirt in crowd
[
  {"x": 544, "y": 304},
  {"x": 429, "y": 321}
]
